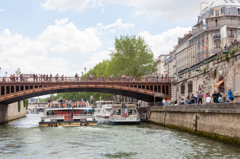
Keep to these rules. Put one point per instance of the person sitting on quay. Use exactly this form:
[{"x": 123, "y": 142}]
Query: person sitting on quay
[
  {"x": 182, "y": 102},
  {"x": 164, "y": 102},
  {"x": 176, "y": 102},
  {"x": 215, "y": 96},
  {"x": 220, "y": 99},
  {"x": 208, "y": 99},
  {"x": 230, "y": 95}
]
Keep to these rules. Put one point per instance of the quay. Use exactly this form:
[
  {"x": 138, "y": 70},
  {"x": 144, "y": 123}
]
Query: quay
[{"x": 217, "y": 121}]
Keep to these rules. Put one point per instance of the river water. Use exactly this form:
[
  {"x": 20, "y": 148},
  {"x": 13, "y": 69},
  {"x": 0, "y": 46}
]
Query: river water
[{"x": 23, "y": 138}]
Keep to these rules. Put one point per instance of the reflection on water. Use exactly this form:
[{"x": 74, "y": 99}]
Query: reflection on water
[{"x": 23, "y": 138}]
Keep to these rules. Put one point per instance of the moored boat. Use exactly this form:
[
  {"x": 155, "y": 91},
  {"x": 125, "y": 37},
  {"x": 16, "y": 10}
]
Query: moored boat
[
  {"x": 73, "y": 116},
  {"x": 124, "y": 113},
  {"x": 103, "y": 108}
]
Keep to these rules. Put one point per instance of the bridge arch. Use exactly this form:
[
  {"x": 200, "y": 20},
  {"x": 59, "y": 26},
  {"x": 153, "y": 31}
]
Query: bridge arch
[{"x": 143, "y": 91}]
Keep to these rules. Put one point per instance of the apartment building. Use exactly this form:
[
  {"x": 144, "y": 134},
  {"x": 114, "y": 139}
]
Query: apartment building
[
  {"x": 217, "y": 27},
  {"x": 160, "y": 64}
]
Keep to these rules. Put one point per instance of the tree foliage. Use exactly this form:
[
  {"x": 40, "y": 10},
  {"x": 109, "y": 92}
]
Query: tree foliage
[
  {"x": 132, "y": 56},
  {"x": 18, "y": 71}
]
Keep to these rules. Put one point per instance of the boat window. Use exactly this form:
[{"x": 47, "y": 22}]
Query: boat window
[
  {"x": 130, "y": 112},
  {"x": 117, "y": 112},
  {"x": 134, "y": 111}
]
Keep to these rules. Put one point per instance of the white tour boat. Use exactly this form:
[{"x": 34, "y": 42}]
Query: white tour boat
[
  {"x": 63, "y": 116},
  {"x": 103, "y": 108},
  {"x": 124, "y": 113}
]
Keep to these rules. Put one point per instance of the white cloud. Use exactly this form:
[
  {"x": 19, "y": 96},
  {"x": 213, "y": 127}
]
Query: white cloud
[
  {"x": 1, "y": 10},
  {"x": 164, "y": 42},
  {"x": 62, "y": 5},
  {"x": 55, "y": 48},
  {"x": 65, "y": 37},
  {"x": 97, "y": 58},
  {"x": 171, "y": 9},
  {"x": 118, "y": 25},
  {"x": 30, "y": 55}
]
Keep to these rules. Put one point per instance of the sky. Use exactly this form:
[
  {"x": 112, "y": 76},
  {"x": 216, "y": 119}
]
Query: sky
[{"x": 66, "y": 36}]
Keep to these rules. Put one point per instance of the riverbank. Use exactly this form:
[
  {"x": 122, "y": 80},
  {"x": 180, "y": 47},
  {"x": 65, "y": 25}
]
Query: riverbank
[{"x": 216, "y": 121}]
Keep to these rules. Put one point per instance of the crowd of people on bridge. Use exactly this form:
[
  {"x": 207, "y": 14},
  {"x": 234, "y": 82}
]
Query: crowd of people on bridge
[
  {"x": 62, "y": 78},
  {"x": 217, "y": 97}
]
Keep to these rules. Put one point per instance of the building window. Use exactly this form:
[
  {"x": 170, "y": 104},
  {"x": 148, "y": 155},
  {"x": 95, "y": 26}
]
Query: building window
[
  {"x": 230, "y": 33},
  {"x": 217, "y": 13},
  {"x": 216, "y": 22},
  {"x": 228, "y": 10},
  {"x": 218, "y": 44},
  {"x": 182, "y": 89},
  {"x": 239, "y": 10}
]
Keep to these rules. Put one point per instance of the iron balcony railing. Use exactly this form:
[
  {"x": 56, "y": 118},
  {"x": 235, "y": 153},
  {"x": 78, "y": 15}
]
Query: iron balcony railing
[
  {"x": 212, "y": 26},
  {"x": 217, "y": 36}
]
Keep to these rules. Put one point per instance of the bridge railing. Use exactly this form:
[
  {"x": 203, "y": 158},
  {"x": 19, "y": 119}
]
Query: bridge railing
[{"x": 84, "y": 79}]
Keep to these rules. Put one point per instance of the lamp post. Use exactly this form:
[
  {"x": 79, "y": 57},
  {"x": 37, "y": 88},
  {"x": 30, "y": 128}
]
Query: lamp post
[
  {"x": 6, "y": 75},
  {"x": 85, "y": 69},
  {"x": 82, "y": 76}
]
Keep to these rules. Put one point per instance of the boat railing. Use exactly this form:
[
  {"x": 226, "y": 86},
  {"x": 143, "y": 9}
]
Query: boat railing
[
  {"x": 68, "y": 105},
  {"x": 63, "y": 115}
]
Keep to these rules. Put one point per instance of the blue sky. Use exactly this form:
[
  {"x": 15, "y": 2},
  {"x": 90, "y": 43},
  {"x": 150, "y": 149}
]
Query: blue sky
[{"x": 64, "y": 36}]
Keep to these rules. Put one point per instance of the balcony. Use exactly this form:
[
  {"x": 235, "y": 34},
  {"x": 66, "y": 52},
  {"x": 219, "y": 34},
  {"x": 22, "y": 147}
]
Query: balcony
[
  {"x": 231, "y": 35},
  {"x": 217, "y": 36},
  {"x": 219, "y": 25}
]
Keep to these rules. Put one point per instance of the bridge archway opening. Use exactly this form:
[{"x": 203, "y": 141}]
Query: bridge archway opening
[{"x": 128, "y": 92}]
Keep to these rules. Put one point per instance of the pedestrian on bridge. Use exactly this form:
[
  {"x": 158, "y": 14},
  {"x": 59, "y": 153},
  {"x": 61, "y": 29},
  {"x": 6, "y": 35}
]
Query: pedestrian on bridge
[{"x": 118, "y": 77}]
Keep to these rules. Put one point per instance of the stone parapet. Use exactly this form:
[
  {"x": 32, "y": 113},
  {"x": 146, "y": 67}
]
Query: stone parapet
[
  {"x": 217, "y": 121},
  {"x": 201, "y": 108}
]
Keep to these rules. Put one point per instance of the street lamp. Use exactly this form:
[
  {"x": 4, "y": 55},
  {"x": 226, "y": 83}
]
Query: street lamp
[
  {"x": 85, "y": 69},
  {"x": 6, "y": 74},
  {"x": 82, "y": 76}
]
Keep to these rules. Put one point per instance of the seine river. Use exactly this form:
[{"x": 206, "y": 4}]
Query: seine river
[{"x": 23, "y": 138}]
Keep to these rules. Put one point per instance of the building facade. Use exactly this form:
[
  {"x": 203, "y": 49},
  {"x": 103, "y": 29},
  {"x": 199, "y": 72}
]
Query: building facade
[
  {"x": 217, "y": 28},
  {"x": 160, "y": 61}
]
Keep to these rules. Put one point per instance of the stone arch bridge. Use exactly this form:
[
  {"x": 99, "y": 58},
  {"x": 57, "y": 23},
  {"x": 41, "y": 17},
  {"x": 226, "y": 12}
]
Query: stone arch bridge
[{"x": 16, "y": 89}]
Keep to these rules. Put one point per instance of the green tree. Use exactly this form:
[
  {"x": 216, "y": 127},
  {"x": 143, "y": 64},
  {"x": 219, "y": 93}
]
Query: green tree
[
  {"x": 132, "y": 56},
  {"x": 18, "y": 71}
]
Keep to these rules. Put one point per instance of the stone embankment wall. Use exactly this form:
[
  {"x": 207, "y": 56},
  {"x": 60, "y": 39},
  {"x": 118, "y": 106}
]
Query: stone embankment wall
[
  {"x": 10, "y": 112},
  {"x": 217, "y": 121}
]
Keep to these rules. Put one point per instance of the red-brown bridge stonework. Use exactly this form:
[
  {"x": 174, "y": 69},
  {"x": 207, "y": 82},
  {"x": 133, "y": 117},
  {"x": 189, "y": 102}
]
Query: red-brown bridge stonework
[{"x": 12, "y": 90}]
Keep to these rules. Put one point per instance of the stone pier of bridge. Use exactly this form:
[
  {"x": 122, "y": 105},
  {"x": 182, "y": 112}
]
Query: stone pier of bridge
[{"x": 9, "y": 112}]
